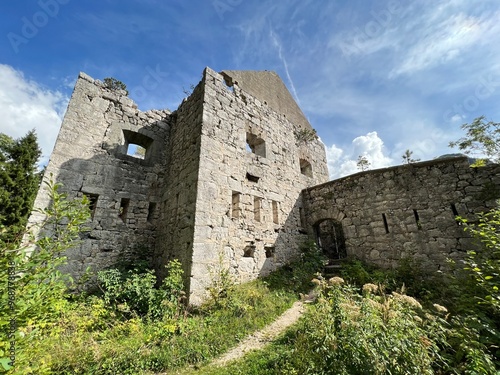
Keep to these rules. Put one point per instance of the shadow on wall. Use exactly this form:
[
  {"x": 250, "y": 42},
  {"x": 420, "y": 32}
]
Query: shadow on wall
[{"x": 124, "y": 182}]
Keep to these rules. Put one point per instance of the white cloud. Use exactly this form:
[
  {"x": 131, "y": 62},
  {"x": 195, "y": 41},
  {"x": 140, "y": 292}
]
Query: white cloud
[
  {"x": 25, "y": 105},
  {"x": 344, "y": 162}
]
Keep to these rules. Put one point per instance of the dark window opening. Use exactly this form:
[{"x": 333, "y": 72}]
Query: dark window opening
[
  {"x": 256, "y": 145},
  {"x": 92, "y": 203},
  {"x": 249, "y": 251},
  {"x": 330, "y": 238},
  {"x": 151, "y": 211},
  {"x": 275, "y": 206},
  {"x": 305, "y": 168},
  {"x": 257, "y": 206},
  {"x": 122, "y": 213},
  {"x": 386, "y": 226},
  {"x": 137, "y": 145},
  {"x": 235, "y": 205},
  {"x": 417, "y": 219},
  {"x": 252, "y": 178},
  {"x": 270, "y": 250}
]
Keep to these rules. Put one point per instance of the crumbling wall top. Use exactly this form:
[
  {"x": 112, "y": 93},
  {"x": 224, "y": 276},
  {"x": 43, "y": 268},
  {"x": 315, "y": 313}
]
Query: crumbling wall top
[{"x": 268, "y": 87}]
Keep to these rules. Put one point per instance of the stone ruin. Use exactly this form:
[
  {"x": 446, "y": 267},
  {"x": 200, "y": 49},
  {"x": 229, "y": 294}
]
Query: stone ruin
[{"x": 236, "y": 178}]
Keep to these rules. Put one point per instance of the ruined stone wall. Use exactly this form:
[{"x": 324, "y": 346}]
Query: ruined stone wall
[
  {"x": 179, "y": 193},
  {"x": 406, "y": 211},
  {"x": 248, "y": 205},
  {"x": 90, "y": 157}
]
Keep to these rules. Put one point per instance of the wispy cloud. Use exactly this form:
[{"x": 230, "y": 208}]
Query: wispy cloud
[{"x": 279, "y": 47}]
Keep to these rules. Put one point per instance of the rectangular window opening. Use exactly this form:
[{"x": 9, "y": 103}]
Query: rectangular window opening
[
  {"x": 136, "y": 144},
  {"x": 305, "y": 168},
  {"x": 151, "y": 211},
  {"x": 249, "y": 251},
  {"x": 270, "y": 250},
  {"x": 252, "y": 178},
  {"x": 122, "y": 213},
  {"x": 417, "y": 219},
  {"x": 386, "y": 226},
  {"x": 256, "y": 145},
  {"x": 92, "y": 203},
  {"x": 276, "y": 219},
  {"x": 235, "y": 205},
  {"x": 257, "y": 206}
]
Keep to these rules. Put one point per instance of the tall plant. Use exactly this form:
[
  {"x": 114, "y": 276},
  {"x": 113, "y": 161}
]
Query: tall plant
[{"x": 36, "y": 289}]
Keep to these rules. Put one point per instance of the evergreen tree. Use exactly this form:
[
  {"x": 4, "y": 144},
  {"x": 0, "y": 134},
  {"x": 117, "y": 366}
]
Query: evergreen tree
[{"x": 19, "y": 181}]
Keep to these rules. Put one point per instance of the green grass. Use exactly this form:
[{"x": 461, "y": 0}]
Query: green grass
[{"x": 92, "y": 338}]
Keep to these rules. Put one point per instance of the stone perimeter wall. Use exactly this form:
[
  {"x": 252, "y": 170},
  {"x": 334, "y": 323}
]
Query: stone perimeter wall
[{"x": 419, "y": 203}]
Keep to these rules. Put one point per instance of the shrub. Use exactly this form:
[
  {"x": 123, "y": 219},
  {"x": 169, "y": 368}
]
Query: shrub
[
  {"x": 133, "y": 293},
  {"x": 373, "y": 333}
]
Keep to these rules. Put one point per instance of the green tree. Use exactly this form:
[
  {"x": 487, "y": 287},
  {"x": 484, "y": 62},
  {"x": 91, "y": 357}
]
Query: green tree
[
  {"x": 481, "y": 137},
  {"x": 407, "y": 159},
  {"x": 19, "y": 182},
  {"x": 114, "y": 84},
  {"x": 363, "y": 164}
]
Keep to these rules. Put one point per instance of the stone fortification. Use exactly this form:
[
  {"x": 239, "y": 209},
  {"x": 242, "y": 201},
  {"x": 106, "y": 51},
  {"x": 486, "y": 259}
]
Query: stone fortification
[
  {"x": 219, "y": 182},
  {"x": 235, "y": 178},
  {"x": 408, "y": 211}
]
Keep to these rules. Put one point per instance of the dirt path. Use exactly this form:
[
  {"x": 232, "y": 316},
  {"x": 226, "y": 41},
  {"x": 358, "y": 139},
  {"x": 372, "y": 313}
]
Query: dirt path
[{"x": 261, "y": 338}]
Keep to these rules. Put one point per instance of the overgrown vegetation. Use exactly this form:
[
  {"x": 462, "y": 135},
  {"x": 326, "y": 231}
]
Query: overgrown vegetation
[
  {"x": 482, "y": 137},
  {"x": 129, "y": 326},
  {"x": 19, "y": 181},
  {"x": 114, "y": 84}
]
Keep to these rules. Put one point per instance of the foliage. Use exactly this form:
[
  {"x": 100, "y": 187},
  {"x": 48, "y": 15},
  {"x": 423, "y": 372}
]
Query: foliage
[
  {"x": 305, "y": 136},
  {"x": 296, "y": 276},
  {"x": 93, "y": 338},
  {"x": 132, "y": 293},
  {"x": 114, "y": 84},
  {"x": 481, "y": 137},
  {"x": 19, "y": 181},
  {"x": 407, "y": 157},
  {"x": 484, "y": 264},
  {"x": 363, "y": 164},
  {"x": 38, "y": 286},
  {"x": 349, "y": 333}
]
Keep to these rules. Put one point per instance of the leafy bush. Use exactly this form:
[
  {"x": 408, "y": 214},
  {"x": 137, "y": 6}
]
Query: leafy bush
[
  {"x": 374, "y": 333},
  {"x": 133, "y": 293}
]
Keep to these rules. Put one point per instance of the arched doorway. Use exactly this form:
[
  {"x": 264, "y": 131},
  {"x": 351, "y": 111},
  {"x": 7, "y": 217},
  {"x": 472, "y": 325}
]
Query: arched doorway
[{"x": 330, "y": 238}]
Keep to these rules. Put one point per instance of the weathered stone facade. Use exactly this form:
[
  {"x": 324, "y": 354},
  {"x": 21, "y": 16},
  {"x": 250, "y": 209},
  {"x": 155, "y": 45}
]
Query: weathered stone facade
[
  {"x": 406, "y": 211},
  {"x": 236, "y": 178},
  {"x": 220, "y": 180}
]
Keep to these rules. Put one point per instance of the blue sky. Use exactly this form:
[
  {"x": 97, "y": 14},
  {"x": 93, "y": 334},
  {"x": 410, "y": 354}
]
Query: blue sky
[{"x": 373, "y": 78}]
